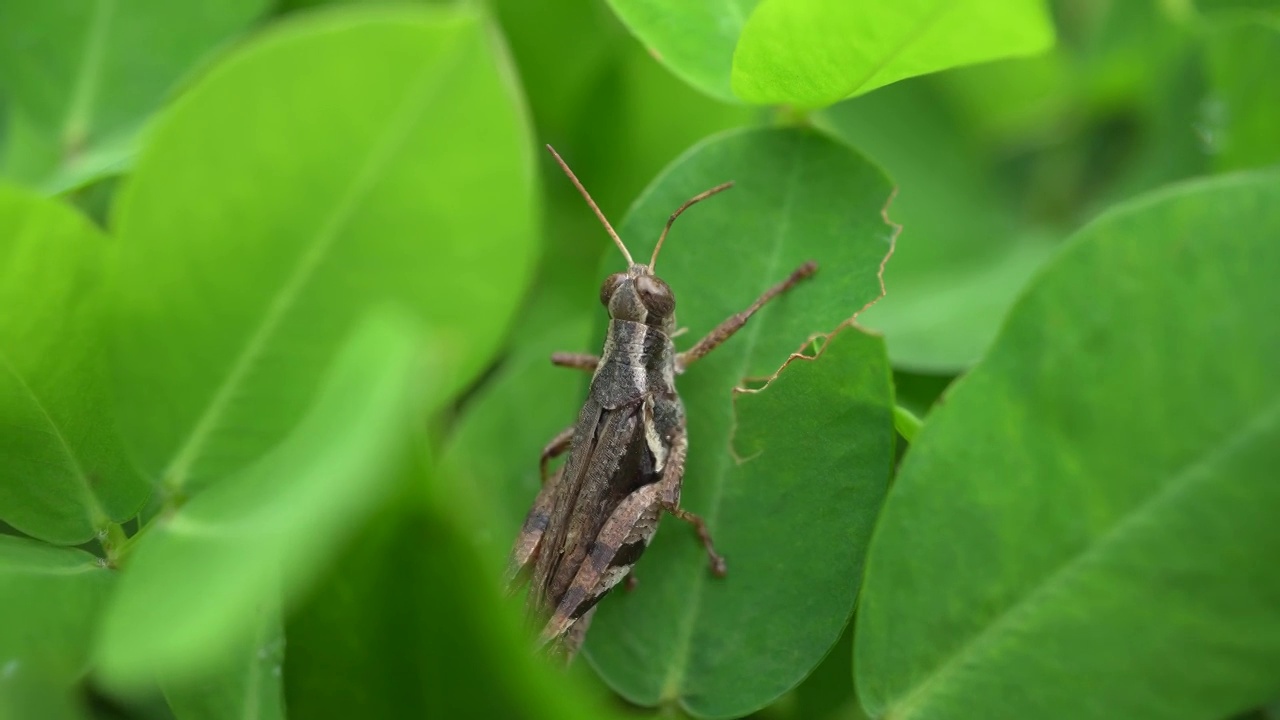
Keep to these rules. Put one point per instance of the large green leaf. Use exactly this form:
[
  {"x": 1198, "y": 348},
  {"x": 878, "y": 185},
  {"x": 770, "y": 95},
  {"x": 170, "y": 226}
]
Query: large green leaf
[
  {"x": 1240, "y": 129},
  {"x": 1086, "y": 528},
  {"x": 409, "y": 624},
  {"x": 63, "y": 475},
  {"x": 265, "y": 216},
  {"x": 798, "y": 196},
  {"x": 82, "y": 76},
  {"x": 694, "y": 39},
  {"x": 813, "y": 53},
  {"x": 50, "y": 598},
  {"x": 200, "y": 577}
]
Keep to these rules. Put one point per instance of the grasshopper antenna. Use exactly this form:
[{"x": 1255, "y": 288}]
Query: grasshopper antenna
[
  {"x": 687, "y": 204},
  {"x": 617, "y": 240}
]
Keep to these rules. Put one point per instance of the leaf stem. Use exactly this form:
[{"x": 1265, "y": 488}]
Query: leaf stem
[
  {"x": 790, "y": 116},
  {"x": 906, "y": 423},
  {"x": 112, "y": 539}
]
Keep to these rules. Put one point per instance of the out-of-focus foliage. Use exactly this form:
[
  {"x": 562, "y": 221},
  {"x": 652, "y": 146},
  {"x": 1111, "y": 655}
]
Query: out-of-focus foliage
[
  {"x": 81, "y": 78},
  {"x": 278, "y": 282}
]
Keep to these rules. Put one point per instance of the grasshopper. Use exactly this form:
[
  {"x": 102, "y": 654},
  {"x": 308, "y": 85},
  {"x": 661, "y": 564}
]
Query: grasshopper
[{"x": 596, "y": 515}]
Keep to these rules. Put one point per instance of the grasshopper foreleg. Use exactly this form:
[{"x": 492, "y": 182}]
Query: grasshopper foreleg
[{"x": 578, "y": 361}]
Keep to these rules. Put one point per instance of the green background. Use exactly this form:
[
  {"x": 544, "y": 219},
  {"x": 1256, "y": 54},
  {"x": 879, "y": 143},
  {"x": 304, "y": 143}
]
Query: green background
[{"x": 279, "y": 281}]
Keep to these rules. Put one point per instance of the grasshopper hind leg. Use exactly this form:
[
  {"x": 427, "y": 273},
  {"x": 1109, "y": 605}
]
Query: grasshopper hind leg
[{"x": 529, "y": 540}]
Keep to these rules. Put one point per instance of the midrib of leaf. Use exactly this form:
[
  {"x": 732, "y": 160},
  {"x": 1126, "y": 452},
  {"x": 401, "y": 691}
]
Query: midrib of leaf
[
  {"x": 381, "y": 153},
  {"x": 1172, "y": 492},
  {"x": 98, "y": 518},
  {"x": 76, "y": 125},
  {"x": 684, "y": 643},
  {"x": 909, "y": 40}
]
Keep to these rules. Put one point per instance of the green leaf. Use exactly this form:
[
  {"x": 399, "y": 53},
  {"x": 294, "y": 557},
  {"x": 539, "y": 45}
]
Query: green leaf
[
  {"x": 1083, "y": 529},
  {"x": 1243, "y": 116},
  {"x": 408, "y": 624},
  {"x": 51, "y": 598},
  {"x": 798, "y": 196},
  {"x": 248, "y": 685},
  {"x": 64, "y": 468},
  {"x": 812, "y": 53},
  {"x": 199, "y": 578},
  {"x": 263, "y": 220},
  {"x": 83, "y": 76},
  {"x": 694, "y": 39}
]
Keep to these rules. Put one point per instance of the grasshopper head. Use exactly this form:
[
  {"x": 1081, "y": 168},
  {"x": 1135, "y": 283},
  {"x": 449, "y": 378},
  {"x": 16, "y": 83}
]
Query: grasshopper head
[{"x": 639, "y": 296}]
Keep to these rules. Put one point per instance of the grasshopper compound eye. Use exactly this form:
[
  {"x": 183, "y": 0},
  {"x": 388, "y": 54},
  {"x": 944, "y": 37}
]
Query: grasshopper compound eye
[
  {"x": 610, "y": 286},
  {"x": 656, "y": 296}
]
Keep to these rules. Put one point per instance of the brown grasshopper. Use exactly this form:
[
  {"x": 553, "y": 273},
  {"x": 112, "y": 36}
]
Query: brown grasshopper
[{"x": 594, "y": 518}]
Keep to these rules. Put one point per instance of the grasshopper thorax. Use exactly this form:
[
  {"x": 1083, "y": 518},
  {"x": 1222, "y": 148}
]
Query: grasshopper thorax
[{"x": 640, "y": 296}]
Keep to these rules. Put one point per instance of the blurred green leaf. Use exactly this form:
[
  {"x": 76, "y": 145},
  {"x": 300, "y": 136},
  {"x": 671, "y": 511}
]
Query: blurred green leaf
[
  {"x": 615, "y": 114},
  {"x": 1241, "y": 127},
  {"x": 798, "y": 196},
  {"x": 263, "y": 219},
  {"x": 409, "y": 625},
  {"x": 812, "y": 53},
  {"x": 694, "y": 39},
  {"x": 200, "y": 577},
  {"x": 917, "y": 393},
  {"x": 248, "y": 685},
  {"x": 50, "y": 598},
  {"x": 83, "y": 76},
  {"x": 960, "y": 260},
  {"x": 1085, "y": 528},
  {"x": 65, "y": 475},
  {"x": 495, "y": 444},
  {"x": 1209, "y": 7},
  {"x": 995, "y": 163}
]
